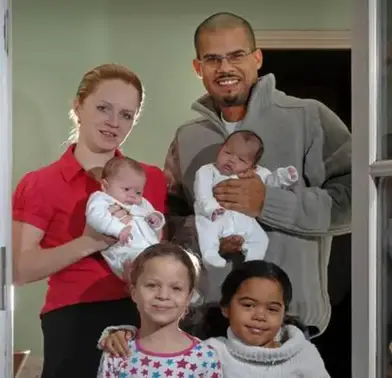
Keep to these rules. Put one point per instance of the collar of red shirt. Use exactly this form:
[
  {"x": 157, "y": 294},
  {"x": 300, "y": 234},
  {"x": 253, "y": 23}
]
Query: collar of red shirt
[{"x": 70, "y": 166}]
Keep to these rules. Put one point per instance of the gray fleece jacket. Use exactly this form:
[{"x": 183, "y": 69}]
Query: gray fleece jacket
[{"x": 300, "y": 221}]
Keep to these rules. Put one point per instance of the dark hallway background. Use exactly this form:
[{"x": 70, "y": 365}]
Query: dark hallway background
[{"x": 324, "y": 75}]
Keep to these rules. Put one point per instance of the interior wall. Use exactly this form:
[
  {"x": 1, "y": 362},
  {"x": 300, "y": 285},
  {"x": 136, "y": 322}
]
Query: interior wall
[{"x": 54, "y": 43}]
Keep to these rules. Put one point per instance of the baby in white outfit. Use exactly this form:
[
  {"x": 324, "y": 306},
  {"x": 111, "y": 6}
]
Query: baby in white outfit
[
  {"x": 123, "y": 181},
  {"x": 238, "y": 155}
]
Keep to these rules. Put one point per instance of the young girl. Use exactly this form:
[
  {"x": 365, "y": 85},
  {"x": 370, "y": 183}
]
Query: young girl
[
  {"x": 261, "y": 340},
  {"x": 163, "y": 278}
]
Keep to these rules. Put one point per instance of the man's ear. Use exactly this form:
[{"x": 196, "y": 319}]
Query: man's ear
[
  {"x": 258, "y": 56},
  {"x": 197, "y": 68}
]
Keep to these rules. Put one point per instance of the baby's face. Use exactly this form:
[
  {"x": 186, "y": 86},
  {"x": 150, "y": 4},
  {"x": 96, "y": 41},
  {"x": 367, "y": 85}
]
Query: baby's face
[
  {"x": 126, "y": 186},
  {"x": 236, "y": 156}
]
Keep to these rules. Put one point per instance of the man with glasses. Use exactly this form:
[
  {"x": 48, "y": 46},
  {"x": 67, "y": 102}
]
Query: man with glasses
[{"x": 300, "y": 222}]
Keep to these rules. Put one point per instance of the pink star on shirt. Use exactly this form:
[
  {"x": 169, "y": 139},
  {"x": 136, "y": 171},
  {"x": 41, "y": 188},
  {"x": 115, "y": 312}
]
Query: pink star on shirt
[
  {"x": 145, "y": 361},
  {"x": 145, "y": 373},
  {"x": 193, "y": 367},
  {"x": 199, "y": 354},
  {"x": 180, "y": 374},
  {"x": 182, "y": 364},
  {"x": 134, "y": 370},
  {"x": 215, "y": 375},
  {"x": 157, "y": 365},
  {"x": 168, "y": 372},
  {"x": 124, "y": 365}
]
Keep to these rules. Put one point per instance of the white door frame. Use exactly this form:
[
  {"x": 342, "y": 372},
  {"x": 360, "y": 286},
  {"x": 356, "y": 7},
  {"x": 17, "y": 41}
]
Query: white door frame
[
  {"x": 6, "y": 289},
  {"x": 368, "y": 21},
  {"x": 303, "y": 39}
]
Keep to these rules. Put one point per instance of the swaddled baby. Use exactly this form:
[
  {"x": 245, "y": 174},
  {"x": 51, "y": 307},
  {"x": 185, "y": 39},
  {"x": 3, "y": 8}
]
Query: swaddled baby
[{"x": 123, "y": 181}]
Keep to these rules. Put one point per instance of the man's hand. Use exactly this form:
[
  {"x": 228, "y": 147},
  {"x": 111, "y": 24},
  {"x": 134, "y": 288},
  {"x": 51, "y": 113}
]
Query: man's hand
[
  {"x": 250, "y": 173},
  {"x": 245, "y": 194},
  {"x": 230, "y": 245}
]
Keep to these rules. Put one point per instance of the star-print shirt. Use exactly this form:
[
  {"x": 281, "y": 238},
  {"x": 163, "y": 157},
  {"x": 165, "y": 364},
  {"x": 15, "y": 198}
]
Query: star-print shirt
[{"x": 198, "y": 361}]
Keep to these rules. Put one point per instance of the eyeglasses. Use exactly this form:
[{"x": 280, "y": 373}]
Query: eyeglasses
[{"x": 233, "y": 58}]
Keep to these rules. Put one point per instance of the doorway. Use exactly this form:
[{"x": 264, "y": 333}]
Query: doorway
[
  {"x": 324, "y": 75},
  {"x": 6, "y": 289}
]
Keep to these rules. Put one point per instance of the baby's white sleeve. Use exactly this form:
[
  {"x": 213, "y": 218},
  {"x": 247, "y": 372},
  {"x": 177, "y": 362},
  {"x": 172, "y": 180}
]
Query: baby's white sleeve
[
  {"x": 99, "y": 217},
  {"x": 263, "y": 173},
  {"x": 282, "y": 177},
  {"x": 205, "y": 202},
  {"x": 150, "y": 210}
]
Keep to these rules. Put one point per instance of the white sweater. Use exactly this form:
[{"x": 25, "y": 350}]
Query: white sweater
[{"x": 296, "y": 358}]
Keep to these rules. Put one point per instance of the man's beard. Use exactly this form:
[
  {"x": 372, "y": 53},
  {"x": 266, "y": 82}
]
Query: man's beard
[{"x": 233, "y": 100}]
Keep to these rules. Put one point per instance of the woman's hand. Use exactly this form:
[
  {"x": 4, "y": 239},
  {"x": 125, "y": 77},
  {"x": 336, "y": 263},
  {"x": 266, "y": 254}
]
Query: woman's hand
[
  {"x": 94, "y": 241},
  {"x": 116, "y": 342},
  {"x": 120, "y": 213},
  {"x": 97, "y": 242}
]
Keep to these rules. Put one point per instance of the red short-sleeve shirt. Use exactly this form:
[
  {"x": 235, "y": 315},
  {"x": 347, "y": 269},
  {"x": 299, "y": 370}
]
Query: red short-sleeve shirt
[{"x": 54, "y": 200}]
